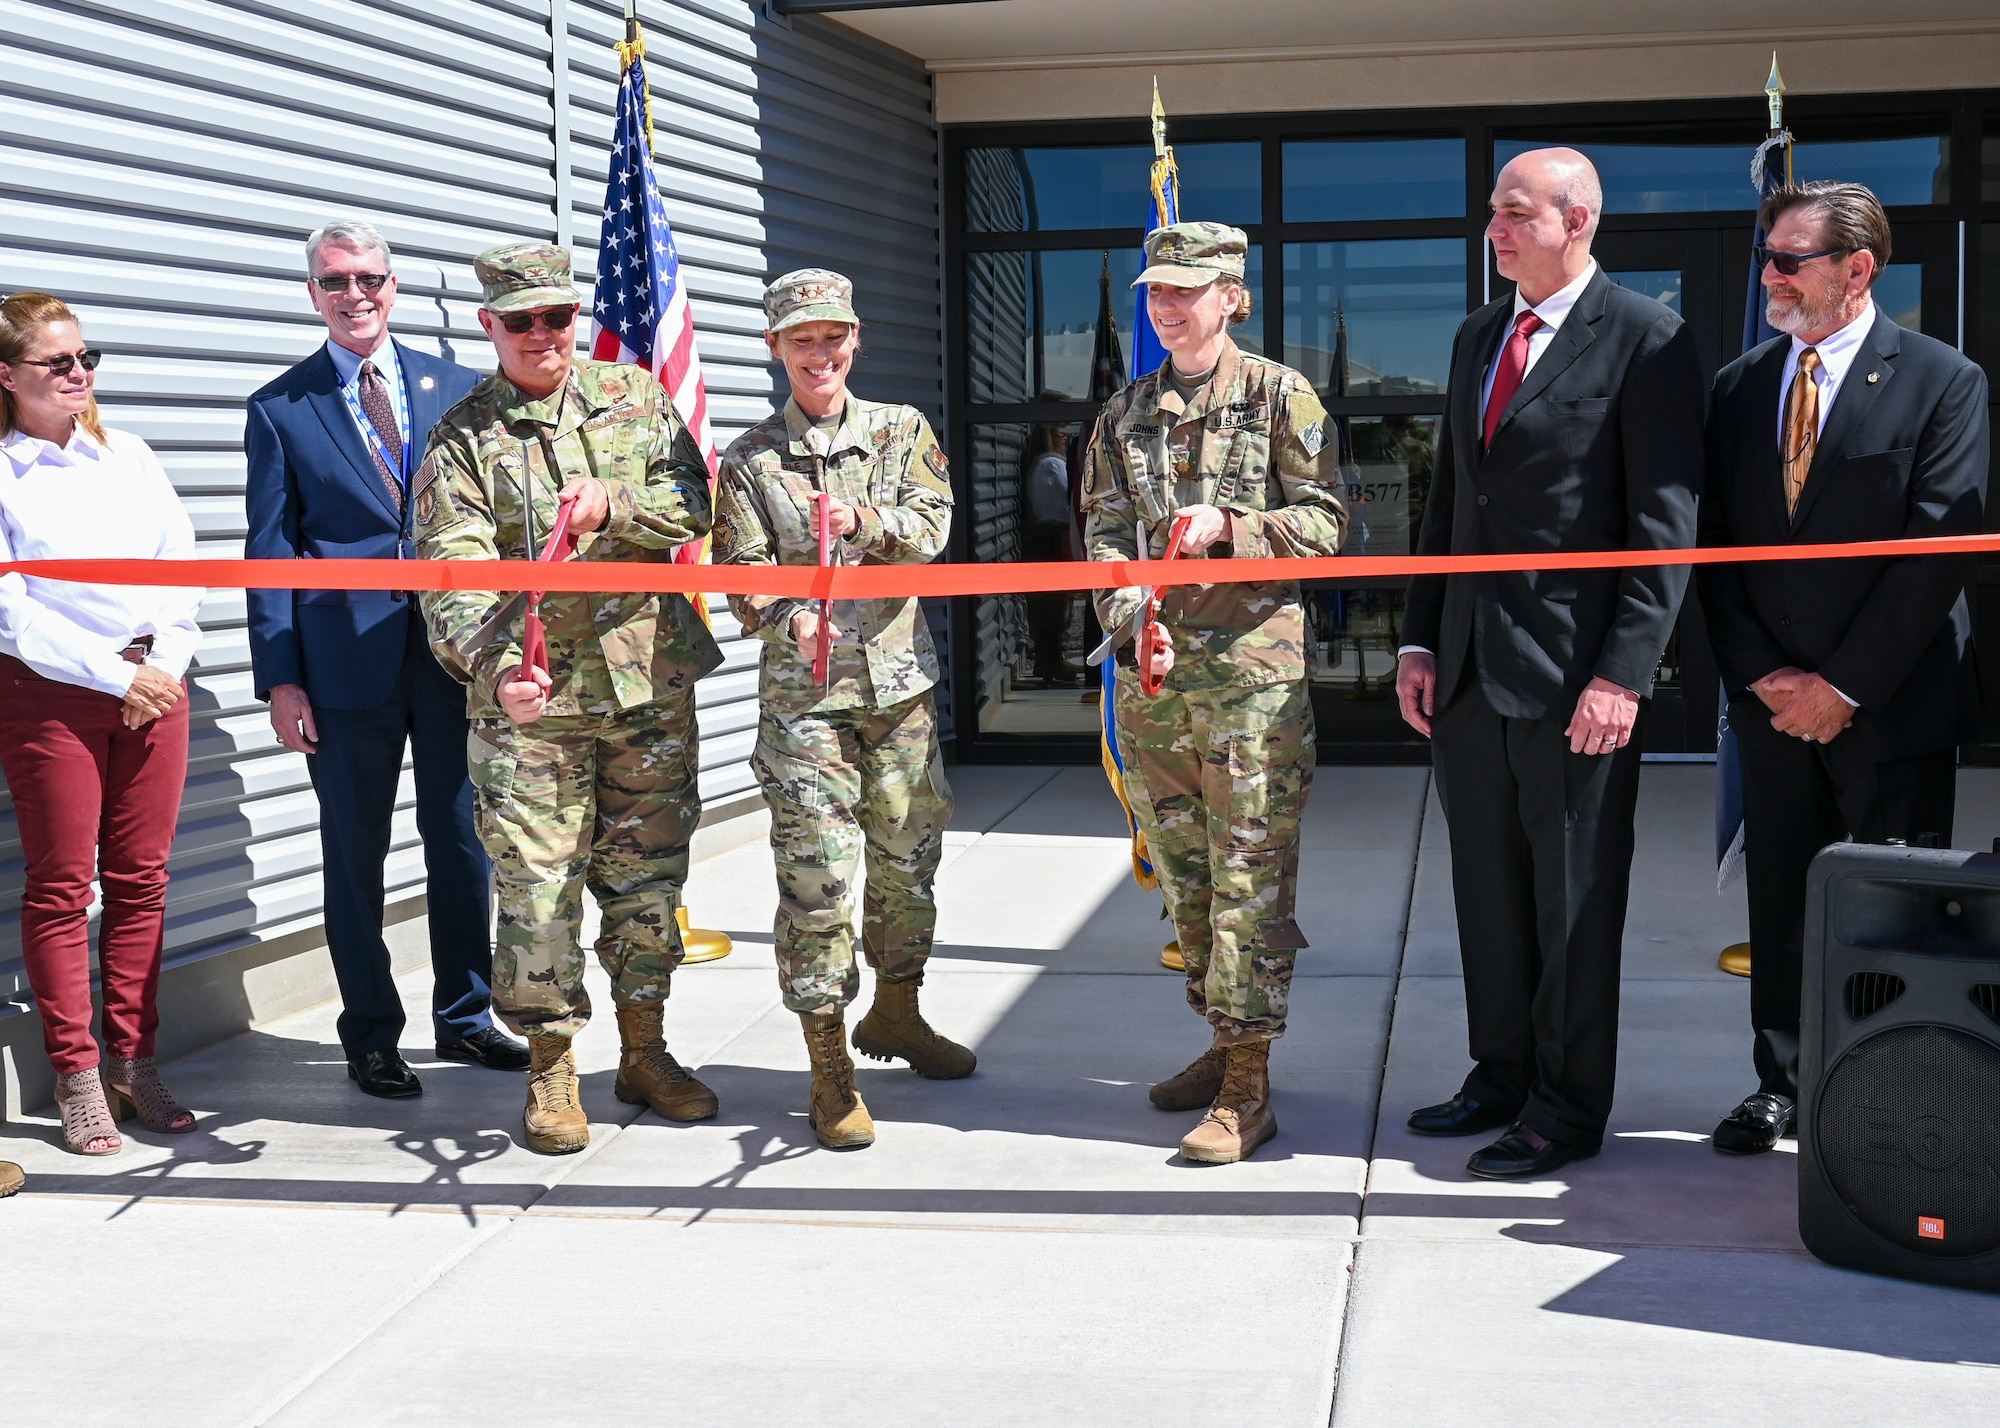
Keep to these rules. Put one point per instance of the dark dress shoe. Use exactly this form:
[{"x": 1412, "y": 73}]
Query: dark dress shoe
[
  {"x": 488, "y": 1046},
  {"x": 1521, "y": 1154},
  {"x": 1754, "y": 1127},
  {"x": 384, "y": 1074},
  {"x": 1461, "y": 1115}
]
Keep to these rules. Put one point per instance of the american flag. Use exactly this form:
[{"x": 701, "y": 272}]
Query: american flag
[{"x": 642, "y": 310}]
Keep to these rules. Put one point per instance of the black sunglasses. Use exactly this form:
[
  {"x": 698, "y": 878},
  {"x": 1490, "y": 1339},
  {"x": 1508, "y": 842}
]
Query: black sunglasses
[
  {"x": 1788, "y": 263},
  {"x": 339, "y": 282},
  {"x": 62, "y": 366},
  {"x": 555, "y": 319}
]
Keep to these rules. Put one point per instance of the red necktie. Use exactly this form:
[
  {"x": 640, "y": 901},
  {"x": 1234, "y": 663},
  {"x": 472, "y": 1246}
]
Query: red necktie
[{"x": 1513, "y": 367}]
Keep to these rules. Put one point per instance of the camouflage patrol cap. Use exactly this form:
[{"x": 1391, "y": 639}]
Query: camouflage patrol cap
[
  {"x": 808, "y": 295},
  {"x": 1193, "y": 255},
  {"x": 518, "y": 276}
]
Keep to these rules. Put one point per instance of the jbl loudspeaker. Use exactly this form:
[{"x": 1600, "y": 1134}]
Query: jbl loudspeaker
[{"x": 1899, "y": 1064}]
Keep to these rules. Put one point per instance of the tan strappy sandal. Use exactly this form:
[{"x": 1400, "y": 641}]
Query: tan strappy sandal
[
  {"x": 134, "y": 1088},
  {"x": 87, "y": 1127}
]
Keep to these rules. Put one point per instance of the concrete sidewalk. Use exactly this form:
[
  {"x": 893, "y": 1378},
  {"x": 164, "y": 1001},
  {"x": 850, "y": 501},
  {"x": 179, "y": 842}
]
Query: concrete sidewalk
[{"x": 1024, "y": 1247}]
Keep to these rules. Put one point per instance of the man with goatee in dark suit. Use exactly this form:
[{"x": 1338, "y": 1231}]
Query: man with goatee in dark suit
[{"x": 1850, "y": 681}]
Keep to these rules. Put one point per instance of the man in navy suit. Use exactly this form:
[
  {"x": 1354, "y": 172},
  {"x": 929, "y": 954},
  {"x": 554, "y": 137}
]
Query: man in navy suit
[
  {"x": 1851, "y": 682},
  {"x": 349, "y": 674}
]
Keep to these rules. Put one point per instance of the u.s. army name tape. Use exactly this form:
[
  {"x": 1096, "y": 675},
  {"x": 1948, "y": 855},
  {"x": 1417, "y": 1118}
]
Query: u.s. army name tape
[{"x": 879, "y": 582}]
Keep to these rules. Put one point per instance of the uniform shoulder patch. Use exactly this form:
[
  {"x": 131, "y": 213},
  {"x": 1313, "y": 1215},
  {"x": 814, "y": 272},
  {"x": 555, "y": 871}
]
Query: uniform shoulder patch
[
  {"x": 935, "y": 459},
  {"x": 1312, "y": 436}
]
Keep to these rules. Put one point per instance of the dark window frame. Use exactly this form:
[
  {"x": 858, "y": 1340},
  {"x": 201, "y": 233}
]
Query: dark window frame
[{"x": 1966, "y": 117}]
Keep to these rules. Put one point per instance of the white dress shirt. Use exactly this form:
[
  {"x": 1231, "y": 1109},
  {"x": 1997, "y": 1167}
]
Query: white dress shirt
[
  {"x": 1552, "y": 310},
  {"x": 92, "y": 500},
  {"x": 1836, "y": 356},
  {"x": 347, "y": 363}
]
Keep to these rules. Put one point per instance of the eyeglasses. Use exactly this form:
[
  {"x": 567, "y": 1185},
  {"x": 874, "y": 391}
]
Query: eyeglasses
[
  {"x": 62, "y": 366},
  {"x": 340, "y": 282},
  {"x": 555, "y": 319},
  {"x": 1788, "y": 263}
]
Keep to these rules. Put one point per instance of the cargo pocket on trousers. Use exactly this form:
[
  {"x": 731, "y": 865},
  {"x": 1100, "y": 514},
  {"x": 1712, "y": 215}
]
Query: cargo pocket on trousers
[
  {"x": 490, "y": 761},
  {"x": 783, "y": 777}
]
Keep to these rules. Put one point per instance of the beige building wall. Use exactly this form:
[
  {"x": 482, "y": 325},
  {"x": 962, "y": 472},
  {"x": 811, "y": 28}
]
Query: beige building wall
[{"x": 1538, "y": 72}]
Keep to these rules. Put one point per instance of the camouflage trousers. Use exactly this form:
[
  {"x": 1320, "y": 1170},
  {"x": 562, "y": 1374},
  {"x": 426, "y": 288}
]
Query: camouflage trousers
[
  {"x": 840, "y": 784},
  {"x": 1218, "y": 779},
  {"x": 606, "y": 801}
]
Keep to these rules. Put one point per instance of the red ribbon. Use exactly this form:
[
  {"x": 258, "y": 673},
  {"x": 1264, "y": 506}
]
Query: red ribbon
[
  {"x": 560, "y": 546},
  {"x": 823, "y": 653},
  {"x": 884, "y": 582},
  {"x": 1149, "y": 627}
]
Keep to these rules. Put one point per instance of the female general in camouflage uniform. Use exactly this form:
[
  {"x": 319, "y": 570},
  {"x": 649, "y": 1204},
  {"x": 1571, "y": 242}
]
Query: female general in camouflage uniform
[
  {"x": 1219, "y": 762},
  {"x": 852, "y": 764}
]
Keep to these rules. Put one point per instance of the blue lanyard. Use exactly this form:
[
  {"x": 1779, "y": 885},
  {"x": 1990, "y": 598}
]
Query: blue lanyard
[{"x": 352, "y": 391}]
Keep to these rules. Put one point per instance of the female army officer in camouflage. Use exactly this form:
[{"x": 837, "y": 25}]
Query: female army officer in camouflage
[
  {"x": 1219, "y": 762},
  {"x": 854, "y": 763}
]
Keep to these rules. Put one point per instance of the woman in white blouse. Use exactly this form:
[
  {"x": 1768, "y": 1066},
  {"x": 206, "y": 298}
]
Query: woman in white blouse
[{"x": 93, "y": 717}]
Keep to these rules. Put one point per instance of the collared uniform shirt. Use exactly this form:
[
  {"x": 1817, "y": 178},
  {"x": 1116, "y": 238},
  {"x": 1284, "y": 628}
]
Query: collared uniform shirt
[
  {"x": 92, "y": 500},
  {"x": 347, "y": 365},
  {"x": 884, "y": 461},
  {"x": 1255, "y": 442},
  {"x": 487, "y": 491}
]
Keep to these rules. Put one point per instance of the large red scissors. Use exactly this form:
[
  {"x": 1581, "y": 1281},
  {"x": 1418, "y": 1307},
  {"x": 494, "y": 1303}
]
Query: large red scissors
[
  {"x": 823, "y": 657},
  {"x": 561, "y": 545},
  {"x": 1150, "y": 634}
]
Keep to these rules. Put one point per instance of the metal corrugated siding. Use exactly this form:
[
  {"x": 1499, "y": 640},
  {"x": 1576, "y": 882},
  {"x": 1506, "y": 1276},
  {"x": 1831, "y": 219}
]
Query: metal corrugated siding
[
  {"x": 160, "y": 161},
  {"x": 778, "y": 147}
]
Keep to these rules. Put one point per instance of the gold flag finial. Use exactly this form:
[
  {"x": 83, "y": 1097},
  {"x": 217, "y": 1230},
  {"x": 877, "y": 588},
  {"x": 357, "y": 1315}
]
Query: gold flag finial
[
  {"x": 1159, "y": 122},
  {"x": 1774, "y": 91}
]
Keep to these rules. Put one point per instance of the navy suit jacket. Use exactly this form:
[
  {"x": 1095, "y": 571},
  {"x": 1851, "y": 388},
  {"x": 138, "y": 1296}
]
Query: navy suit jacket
[{"x": 313, "y": 492}]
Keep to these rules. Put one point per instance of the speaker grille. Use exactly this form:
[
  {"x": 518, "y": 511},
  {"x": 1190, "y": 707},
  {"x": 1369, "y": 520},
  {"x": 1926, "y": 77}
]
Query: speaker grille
[
  {"x": 1986, "y": 996},
  {"x": 1868, "y": 992},
  {"x": 1908, "y": 1129}
]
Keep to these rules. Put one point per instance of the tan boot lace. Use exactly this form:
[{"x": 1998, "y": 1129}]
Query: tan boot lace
[
  {"x": 663, "y": 1064},
  {"x": 555, "y": 1088},
  {"x": 829, "y": 1054}
]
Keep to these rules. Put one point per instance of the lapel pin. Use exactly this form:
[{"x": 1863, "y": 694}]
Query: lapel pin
[
  {"x": 427, "y": 382},
  {"x": 1873, "y": 377}
]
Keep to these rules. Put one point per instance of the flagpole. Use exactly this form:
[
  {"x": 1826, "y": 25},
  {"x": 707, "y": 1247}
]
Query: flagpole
[
  {"x": 697, "y": 944},
  {"x": 1735, "y": 959}
]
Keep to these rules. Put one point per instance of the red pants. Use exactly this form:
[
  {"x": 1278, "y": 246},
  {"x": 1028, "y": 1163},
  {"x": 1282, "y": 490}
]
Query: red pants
[{"x": 90, "y": 796}]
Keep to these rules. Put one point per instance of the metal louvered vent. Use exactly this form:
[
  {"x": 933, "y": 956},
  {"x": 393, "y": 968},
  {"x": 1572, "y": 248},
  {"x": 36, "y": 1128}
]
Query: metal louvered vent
[
  {"x": 1869, "y": 992},
  {"x": 1986, "y": 996}
]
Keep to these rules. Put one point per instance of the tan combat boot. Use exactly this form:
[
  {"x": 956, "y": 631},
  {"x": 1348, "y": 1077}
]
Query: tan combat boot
[
  {"x": 11, "y": 1178},
  {"x": 648, "y": 1075},
  {"x": 1241, "y": 1118},
  {"x": 838, "y": 1118},
  {"x": 894, "y": 1027},
  {"x": 554, "y": 1120},
  {"x": 1194, "y": 1088}
]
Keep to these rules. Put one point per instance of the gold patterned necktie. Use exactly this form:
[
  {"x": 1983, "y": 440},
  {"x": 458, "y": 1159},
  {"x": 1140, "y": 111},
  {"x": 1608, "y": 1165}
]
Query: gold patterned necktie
[{"x": 1801, "y": 428}]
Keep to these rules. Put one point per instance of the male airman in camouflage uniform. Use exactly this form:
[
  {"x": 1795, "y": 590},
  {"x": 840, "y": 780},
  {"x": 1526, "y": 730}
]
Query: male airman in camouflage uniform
[
  {"x": 855, "y": 763},
  {"x": 585, "y": 773},
  {"x": 1218, "y": 764}
]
